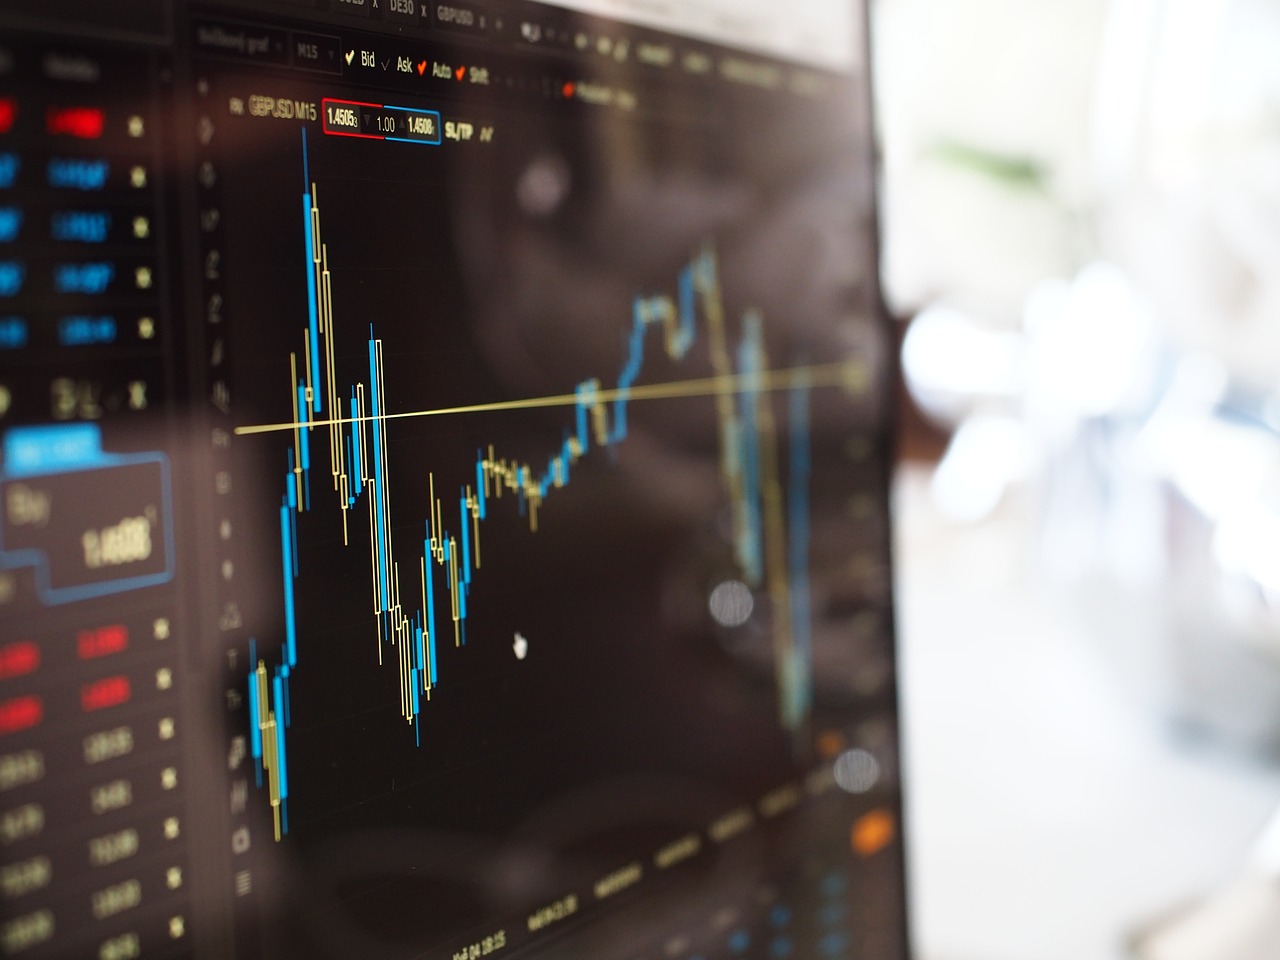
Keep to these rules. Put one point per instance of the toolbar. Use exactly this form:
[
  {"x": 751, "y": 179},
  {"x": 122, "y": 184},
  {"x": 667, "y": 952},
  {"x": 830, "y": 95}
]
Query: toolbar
[{"x": 492, "y": 54}]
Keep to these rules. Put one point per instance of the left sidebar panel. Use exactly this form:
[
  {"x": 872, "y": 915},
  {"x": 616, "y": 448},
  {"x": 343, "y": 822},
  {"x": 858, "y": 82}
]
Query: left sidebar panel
[{"x": 95, "y": 645}]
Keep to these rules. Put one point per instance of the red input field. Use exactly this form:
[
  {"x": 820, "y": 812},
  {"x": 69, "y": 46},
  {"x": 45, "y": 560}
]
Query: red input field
[
  {"x": 102, "y": 641},
  {"x": 18, "y": 659},
  {"x": 104, "y": 693},
  {"x": 20, "y": 713},
  {"x": 84, "y": 123}
]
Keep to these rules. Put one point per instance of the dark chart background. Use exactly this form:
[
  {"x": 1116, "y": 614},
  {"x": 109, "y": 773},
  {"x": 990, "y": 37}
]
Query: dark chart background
[{"x": 501, "y": 270}]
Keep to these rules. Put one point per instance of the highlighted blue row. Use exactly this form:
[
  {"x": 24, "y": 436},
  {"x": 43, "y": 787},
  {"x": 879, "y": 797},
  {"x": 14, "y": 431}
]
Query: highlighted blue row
[{"x": 35, "y": 450}]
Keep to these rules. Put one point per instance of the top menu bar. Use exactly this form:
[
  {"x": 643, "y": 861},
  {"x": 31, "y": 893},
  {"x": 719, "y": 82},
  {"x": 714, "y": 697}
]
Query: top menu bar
[
  {"x": 825, "y": 34},
  {"x": 821, "y": 33},
  {"x": 802, "y": 33}
]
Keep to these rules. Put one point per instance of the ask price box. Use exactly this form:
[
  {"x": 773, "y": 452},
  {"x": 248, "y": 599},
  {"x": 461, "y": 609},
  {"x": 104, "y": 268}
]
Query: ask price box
[{"x": 89, "y": 523}]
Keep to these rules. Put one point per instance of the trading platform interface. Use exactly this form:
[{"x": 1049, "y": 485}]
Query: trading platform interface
[{"x": 443, "y": 495}]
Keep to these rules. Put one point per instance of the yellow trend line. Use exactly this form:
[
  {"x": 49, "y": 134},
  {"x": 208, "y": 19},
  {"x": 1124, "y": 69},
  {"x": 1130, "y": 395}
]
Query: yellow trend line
[{"x": 851, "y": 374}]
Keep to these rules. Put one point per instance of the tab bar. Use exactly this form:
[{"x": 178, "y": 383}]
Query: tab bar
[
  {"x": 460, "y": 17},
  {"x": 356, "y": 8},
  {"x": 406, "y": 11}
]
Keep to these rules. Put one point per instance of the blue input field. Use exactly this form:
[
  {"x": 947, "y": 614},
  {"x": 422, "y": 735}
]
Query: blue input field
[
  {"x": 80, "y": 226},
  {"x": 74, "y": 174},
  {"x": 422, "y": 126},
  {"x": 10, "y": 224},
  {"x": 13, "y": 333},
  {"x": 83, "y": 331},
  {"x": 12, "y": 274},
  {"x": 90, "y": 278}
]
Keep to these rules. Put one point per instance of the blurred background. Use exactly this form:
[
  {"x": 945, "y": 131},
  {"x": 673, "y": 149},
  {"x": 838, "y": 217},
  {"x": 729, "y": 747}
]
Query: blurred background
[{"x": 1081, "y": 216}]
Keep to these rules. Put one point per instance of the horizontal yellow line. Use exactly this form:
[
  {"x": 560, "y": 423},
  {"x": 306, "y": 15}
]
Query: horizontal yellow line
[{"x": 850, "y": 374}]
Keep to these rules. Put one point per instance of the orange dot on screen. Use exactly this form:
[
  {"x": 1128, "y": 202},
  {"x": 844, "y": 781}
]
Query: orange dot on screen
[
  {"x": 830, "y": 743},
  {"x": 872, "y": 832}
]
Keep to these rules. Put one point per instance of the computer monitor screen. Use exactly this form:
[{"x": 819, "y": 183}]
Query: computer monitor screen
[{"x": 443, "y": 483}]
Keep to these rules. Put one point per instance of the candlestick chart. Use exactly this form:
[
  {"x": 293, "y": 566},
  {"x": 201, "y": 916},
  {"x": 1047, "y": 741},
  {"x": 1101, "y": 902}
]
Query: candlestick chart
[{"x": 424, "y": 588}]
